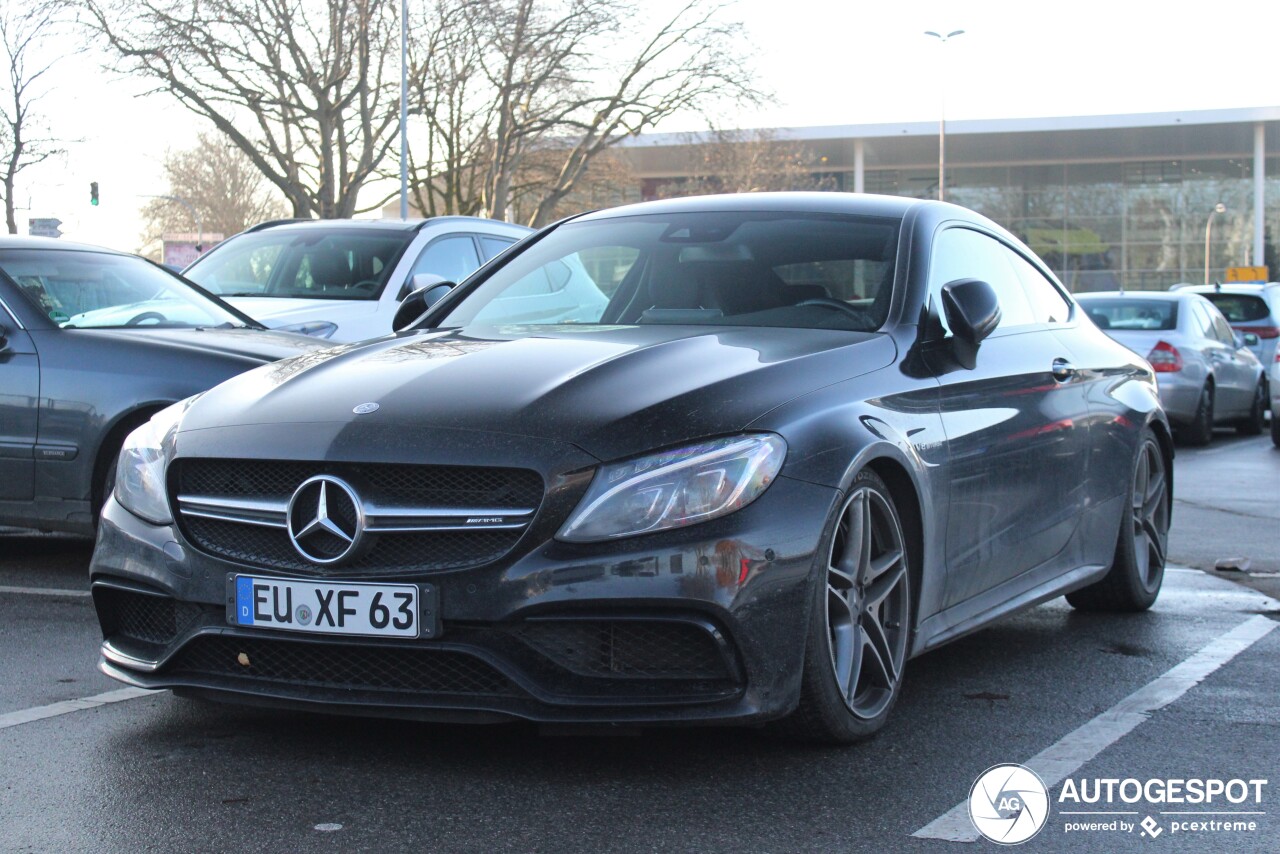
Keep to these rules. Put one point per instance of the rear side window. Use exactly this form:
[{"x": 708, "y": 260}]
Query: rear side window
[
  {"x": 1048, "y": 305},
  {"x": 1132, "y": 313},
  {"x": 1240, "y": 308},
  {"x": 453, "y": 258},
  {"x": 492, "y": 246}
]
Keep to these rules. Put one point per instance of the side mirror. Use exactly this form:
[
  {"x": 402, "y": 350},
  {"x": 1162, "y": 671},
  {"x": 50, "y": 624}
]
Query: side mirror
[
  {"x": 1249, "y": 339},
  {"x": 419, "y": 302},
  {"x": 973, "y": 312},
  {"x": 417, "y": 282}
]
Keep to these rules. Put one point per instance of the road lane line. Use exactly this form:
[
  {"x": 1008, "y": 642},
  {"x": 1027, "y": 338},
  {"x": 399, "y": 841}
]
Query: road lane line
[
  {"x": 44, "y": 591},
  {"x": 39, "y": 713},
  {"x": 1060, "y": 760}
]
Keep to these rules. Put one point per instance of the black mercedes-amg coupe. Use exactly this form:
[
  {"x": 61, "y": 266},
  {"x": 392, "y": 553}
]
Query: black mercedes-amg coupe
[{"x": 728, "y": 459}]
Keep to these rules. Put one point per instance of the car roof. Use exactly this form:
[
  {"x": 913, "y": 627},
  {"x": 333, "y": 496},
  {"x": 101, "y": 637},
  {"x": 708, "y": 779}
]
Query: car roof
[
  {"x": 400, "y": 225},
  {"x": 12, "y": 241},
  {"x": 1254, "y": 288},
  {"x": 1154, "y": 296},
  {"x": 847, "y": 203}
]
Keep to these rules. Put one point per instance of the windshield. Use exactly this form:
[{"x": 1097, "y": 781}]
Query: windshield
[
  {"x": 346, "y": 264},
  {"x": 742, "y": 269},
  {"x": 98, "y": 290},
  {"x": 1131, "y": 313},
  {"x": 1239, "y": 308}
]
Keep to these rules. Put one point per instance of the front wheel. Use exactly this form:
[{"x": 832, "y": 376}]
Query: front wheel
[
  {"x": 857, "y": 642},
  {"x": 1138, "y": 568}
]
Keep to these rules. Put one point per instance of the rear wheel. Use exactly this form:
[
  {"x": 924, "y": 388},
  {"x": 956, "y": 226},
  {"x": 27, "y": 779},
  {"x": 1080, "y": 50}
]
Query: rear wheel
[
  {"x": 1275, "y": 427},
  {"x": 862, "y": 611},
  {"x": 1137, "y": 571},
  {"x": 1200, "y": 431},
  {"x": 1251, "y": 424}
]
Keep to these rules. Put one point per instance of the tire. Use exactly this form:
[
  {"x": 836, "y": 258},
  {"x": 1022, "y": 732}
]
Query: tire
[
  {"x": 1252, "y": 424},
  {"x": 1137, "y": 571},
  {"x": 1200, "y": 431},
  {"x": 1275, "y": 428},
  {"x": 861, "y": 622}
]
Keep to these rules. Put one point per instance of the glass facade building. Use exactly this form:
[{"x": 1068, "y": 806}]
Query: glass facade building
[{"x": 1106, "y": 201}]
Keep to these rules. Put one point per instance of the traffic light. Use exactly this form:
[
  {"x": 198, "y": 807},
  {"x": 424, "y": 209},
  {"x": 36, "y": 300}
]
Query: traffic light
[{"x": 93, "y": 193}]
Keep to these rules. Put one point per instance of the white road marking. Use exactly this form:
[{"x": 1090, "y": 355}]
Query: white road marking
[
  {"x": 39, "y": 713},
  {"x": 44, "y": 591},
  {"x": 1060, "y": 760}
]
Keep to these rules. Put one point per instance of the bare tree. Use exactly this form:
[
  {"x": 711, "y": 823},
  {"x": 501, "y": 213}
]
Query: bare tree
[
  {"x": 523, "y": 95},
  {"x": 25, "y": 139},
  {"x": 220, "y": 183},
  {"x": 303, "y": 87},
  {"x": 747, "y": 162}
]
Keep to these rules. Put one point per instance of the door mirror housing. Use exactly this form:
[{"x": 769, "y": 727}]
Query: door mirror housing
[
  {"x": 420, "y": 300},
  {"x": 973, "y": 312},
  {"x": 417, "y": 282},
  {"x": 1249, "y": 339}
]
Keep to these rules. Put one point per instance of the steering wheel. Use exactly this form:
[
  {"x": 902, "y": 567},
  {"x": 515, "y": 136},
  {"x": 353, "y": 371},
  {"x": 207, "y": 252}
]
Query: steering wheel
[
  {"x": 139, "y": 319},
  {"x": 365, "y": 285},
  {"x": 837, "y": 305}
]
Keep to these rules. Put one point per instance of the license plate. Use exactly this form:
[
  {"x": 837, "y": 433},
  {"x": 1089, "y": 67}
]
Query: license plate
[{"x": 332, "y": 608}]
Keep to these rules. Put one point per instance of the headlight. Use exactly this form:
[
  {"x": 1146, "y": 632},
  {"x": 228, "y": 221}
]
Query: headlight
[
  {"x": 140, "y": 469},
  {"x": 314, "y": 328},
  {"x": 674, "y": 488}
]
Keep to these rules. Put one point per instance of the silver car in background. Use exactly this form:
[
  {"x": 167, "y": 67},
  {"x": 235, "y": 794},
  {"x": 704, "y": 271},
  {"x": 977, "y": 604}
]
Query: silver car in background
[{"x": 1206, "y": 373}]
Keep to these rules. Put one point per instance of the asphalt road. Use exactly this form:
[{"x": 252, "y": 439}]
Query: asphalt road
[{"x": 1097, "y": 695}]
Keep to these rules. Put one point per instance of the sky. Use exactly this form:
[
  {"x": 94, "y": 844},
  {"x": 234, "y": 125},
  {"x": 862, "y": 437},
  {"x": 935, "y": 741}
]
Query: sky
[{"x": 827, "y": 62}]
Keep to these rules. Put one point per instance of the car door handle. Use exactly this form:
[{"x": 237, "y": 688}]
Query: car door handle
[{"x": 1063, "y": 370}]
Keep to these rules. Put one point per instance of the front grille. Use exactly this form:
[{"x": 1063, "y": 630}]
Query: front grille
[
  {"x": 448, "y": 486},
  {"x": 644, "y": 649},
  {"x": 153, "y": 619},
  {"x": 442, "y": 488},
  {"x": 342, "y": 665}
]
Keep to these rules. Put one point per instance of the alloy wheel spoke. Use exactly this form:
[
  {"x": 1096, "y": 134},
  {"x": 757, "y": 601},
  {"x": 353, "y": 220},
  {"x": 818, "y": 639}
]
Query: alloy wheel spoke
[
  {"x": 879, "y": 666},
  {"x": 856, "y": 533},
  {"x": 879, "y": 589},
  {"x": 842, "y": 643},
  {"x": 1155, "y": 540},
  {"x": 878, "y": 640},
  {"x": 1154, "y": 497},
  {"x": 849, "y": 686},
  {"x": 1140, "y": 478}
]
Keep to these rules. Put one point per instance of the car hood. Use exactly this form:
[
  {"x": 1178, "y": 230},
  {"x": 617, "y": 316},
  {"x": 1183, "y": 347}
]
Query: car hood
[
  {"x": 612, "y": 392},
  {"x": 280, "y": 311},
  {"x": 256, "y": 345}
]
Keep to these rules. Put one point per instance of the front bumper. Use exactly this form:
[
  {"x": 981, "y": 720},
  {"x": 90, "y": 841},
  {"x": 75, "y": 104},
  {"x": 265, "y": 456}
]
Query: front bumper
[{"x": 703, "y": 624}]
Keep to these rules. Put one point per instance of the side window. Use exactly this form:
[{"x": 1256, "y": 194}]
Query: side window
[
  {"x": 1223, "y": 329},
  {"x": 1203, "y": 322},
  {"x": 1047, "y": 303},
  {"x": 454, "y": 258},
  {"x": 492, "y": 246},
  {"x": 960, "y": 253}
]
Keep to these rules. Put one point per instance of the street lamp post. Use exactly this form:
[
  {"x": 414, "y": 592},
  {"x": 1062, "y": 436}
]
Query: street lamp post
[
  {"x": 1208, "y": 230},
  {"x": 404, "y": 109},
  {"x": 942, "y": 119}
]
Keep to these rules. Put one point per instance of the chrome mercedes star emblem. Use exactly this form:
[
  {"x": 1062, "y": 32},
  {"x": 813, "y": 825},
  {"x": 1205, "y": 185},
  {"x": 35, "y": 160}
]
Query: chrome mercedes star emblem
[{"x": 325, "y": 520}]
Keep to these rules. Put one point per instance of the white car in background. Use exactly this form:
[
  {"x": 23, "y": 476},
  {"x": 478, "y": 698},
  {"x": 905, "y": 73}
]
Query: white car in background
[{"x": 344, "y": 279}]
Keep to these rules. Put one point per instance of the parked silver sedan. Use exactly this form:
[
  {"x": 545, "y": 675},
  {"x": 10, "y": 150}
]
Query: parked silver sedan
[{"x": 1206, "y": 373}]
